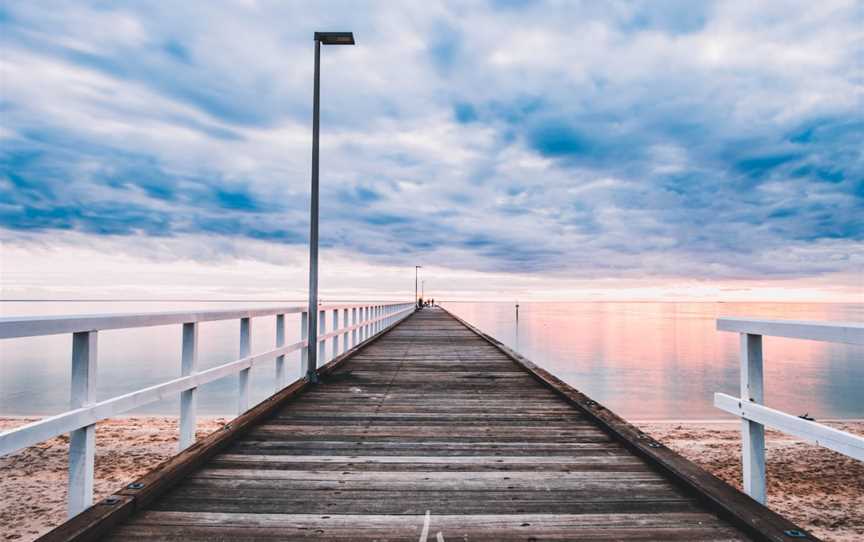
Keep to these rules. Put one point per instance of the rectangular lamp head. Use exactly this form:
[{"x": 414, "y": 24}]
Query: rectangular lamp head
[{"x": 335, "y": 38}]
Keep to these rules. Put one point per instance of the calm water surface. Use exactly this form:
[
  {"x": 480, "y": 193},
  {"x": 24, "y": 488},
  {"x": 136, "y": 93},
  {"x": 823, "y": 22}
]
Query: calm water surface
[
  {"x": 665, "y": 360},
  {"x": 643, "y": 360}
]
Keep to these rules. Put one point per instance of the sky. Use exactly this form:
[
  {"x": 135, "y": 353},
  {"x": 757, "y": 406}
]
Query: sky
[{"x": 545, "y": 150}]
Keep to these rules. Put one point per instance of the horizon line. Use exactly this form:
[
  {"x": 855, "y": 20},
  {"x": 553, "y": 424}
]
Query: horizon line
[{"x": 194, "y": 300}]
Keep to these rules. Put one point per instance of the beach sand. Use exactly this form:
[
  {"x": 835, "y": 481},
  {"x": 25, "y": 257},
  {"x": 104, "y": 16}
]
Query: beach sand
[
  {"x": 33, "y": 481},
  {"x": 818, "y": 489}
]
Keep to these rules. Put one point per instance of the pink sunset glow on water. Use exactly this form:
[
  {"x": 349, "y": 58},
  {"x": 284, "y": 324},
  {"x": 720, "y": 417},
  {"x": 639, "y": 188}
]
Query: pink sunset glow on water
[
  {"x": 666, "y": 360},
  {"x": 643, "y": 360}
]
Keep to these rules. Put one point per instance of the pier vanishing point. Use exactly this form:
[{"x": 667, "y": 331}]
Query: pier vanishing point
[{"x": 422, "y": 428}]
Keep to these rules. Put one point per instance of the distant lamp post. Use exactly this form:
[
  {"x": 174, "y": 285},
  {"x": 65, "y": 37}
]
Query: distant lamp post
[
  {"x": 422, "y": 289},
  {"x": 417, "y": 269},
  {"x": 327, "y": 38}
]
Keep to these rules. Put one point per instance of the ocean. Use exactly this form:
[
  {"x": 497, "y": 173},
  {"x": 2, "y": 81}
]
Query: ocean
[{"x": 645, "y": 361}]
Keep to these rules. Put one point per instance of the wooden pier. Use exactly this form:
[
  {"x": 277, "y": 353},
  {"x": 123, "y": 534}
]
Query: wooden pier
[{"x": 433, "y": 431}]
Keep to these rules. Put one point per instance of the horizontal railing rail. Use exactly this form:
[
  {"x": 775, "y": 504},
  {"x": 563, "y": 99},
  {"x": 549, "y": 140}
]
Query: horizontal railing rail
[
  {"x": 351, "y": 325},
  {"x": 755, "y": 415},
  {"x": 33, "y": 326},
  {"x": 837, "y": 332}
]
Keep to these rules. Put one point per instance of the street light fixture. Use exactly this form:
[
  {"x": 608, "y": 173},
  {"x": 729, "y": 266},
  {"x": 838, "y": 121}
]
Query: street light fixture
[
  {"x": 335, "y": 38},
  {"x": 327, "y": 38}
]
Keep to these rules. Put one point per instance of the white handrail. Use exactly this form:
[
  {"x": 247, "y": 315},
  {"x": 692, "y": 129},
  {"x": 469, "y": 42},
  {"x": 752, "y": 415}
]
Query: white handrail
[
  {"x": 86, "y": 412},
  {"x": 827, "y": 437},
  {"x": 755, "y": 416},
  {"x": 32, "y": 326},
  {"x": 835, "y": 332}
]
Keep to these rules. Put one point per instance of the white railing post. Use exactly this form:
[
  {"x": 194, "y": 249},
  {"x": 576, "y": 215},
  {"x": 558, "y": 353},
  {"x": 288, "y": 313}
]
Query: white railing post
[
  {"x": 364, "y": 315},
  {"x": 304, "y": 336},
  {"x": 188, "y": 398},
  {"x": 335, "y": 328},
  {"x": 280, "y": 360},
  {"x": 82, "y": 442},
  {"x": 243, "y": 375},
  {"x": 345, "y": 325},
  {"x": 752, "y": 433},
  {"x": 322, "y": 345},
  {"x": 354, "y": 323}
]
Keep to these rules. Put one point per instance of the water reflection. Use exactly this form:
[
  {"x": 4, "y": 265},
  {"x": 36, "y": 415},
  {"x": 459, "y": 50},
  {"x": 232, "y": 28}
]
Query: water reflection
[
  {"x": 644, "y": 360},
  {"x": 666, "y": 360}
]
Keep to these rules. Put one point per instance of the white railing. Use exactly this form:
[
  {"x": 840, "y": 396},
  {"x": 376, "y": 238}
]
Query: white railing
[
  {"x": 359, "y": 322},
  {"x": 755, "y": 416}
]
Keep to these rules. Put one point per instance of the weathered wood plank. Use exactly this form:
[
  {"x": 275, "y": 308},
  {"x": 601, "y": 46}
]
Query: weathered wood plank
[
  {"x": 590, "y": 463},
  {"x": 203, "y": 526},
  {"x": 426, "y": 479},
  {"x": 444, "y": 502},
  {"x": 428, "y": 448}
]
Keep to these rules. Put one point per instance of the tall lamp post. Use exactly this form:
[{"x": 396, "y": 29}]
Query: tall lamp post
[
  {"x": 417, "y": 268},
  {"x": 327, "y": 38}
]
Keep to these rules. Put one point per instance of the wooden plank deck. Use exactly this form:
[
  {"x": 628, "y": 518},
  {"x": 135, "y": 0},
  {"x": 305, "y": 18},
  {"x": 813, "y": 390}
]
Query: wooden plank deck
[{"x": 430, "y": 429}]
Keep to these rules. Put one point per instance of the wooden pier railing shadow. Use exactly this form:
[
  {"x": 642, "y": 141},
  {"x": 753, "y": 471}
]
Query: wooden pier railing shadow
[{"x": 433, "y": 431}]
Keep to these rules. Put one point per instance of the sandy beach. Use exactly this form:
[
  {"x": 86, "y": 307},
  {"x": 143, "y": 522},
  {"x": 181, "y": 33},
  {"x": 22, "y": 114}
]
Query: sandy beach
[
  {"x": 819, "y": 489},
  {"x": 816, "y": 488},
  {"x": 33, "y": 484}
]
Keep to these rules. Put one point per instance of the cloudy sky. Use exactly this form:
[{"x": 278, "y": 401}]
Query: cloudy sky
[{"x": 533, "y": 149}]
